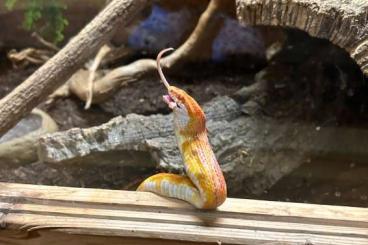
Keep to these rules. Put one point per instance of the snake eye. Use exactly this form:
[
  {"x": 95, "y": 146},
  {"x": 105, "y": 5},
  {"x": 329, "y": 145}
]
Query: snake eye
[{"x": 179, "y": 105}]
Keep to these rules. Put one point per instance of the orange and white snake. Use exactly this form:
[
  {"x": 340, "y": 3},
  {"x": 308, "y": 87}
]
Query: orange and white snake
[{"x": 204, "y": 186}]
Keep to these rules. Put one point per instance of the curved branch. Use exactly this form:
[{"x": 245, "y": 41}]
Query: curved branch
[
  {"x": 194, "y": 48},
  {"x": 104, "y": 50}
]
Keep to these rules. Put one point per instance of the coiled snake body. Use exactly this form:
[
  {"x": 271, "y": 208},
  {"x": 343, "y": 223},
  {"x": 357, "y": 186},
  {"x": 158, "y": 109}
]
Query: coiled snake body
[{"x": 204, "y": 186}]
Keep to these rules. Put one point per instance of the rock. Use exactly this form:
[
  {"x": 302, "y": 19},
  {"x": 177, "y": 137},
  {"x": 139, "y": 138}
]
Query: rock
[
  {"x": 164, "y": 28},
  {"x": 245, "y": 41}
]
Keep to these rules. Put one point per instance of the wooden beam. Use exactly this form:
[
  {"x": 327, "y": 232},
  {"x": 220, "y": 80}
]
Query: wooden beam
[{"x": 40, "y": 214}]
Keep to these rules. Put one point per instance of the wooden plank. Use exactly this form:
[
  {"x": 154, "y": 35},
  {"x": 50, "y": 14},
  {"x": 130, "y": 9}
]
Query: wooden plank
[
  {"x": 30, "y": 209},
  {"x": 61, "y": 238},
  {"x": 206, "y": 219},
  {"x": 47, "y": 194}
]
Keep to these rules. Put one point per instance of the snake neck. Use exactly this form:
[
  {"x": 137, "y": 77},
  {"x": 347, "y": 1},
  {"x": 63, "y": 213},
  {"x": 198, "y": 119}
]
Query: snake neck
[
  {"x": 202, "y": 168},
  {"x": 184, "y": 139}
]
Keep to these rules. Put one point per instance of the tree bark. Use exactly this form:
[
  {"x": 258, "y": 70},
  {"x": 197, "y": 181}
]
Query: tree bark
[
  {"x": 67, "y": 61},
  {"x": 251, "y": 159},
  {"x": 344, "y": 23},
  {"x": 254, "y": 151}
]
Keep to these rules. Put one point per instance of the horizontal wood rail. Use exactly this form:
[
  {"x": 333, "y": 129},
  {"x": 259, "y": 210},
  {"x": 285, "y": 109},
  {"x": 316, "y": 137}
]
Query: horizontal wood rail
[{"x": 33, "y": 214}]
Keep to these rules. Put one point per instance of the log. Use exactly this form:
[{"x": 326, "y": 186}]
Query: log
[
  {"x": 237, "y": 140},
  {"x": 66, "y": 62},
  {"x": 33, "y": 214},
  {"x": 343, "y": 23}
]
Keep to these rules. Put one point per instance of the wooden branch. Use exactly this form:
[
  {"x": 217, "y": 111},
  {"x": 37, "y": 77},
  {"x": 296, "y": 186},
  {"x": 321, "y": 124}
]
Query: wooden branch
[
  {"x": 28, "y": 56},
  {"x": 47, "y": 44},
  {"x": 31, "y": 212},
  {"x": 68, "y": 60},
  {"x": 344, "y": 24},
  {"x": 104, "y": 50},
  {"x": 193, "y": 48}
]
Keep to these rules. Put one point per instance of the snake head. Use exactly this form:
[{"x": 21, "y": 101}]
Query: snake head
[{"x": 189, "y": 117}]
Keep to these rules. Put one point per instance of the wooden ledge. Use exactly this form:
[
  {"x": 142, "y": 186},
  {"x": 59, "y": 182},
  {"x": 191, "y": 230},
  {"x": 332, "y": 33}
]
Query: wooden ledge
[{"x": 33, "y": 214}]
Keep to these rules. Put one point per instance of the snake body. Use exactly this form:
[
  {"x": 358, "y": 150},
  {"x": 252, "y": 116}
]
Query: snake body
[{"x": 204, "y": 186}]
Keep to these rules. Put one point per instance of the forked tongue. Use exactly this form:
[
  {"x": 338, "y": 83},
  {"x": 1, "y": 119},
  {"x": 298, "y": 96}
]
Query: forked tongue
[
  {"x": 167, "y": 98},
  {"x": 162, "y": 76}
]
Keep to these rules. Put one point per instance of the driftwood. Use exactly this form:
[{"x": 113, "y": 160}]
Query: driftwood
[
  {"x": 33, "y": 56},
  {"x": 28, "y": 56},
  {"x": 192, "y": 49},
  {"x": 344, "y": 23},
  {"x": 33, "y": 214},
  {"x": 104, "y": 50},
  {"x": 67, "y": 61}
]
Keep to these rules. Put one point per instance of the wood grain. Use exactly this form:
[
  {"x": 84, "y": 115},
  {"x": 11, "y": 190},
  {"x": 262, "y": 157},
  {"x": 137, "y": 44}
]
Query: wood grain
[{"x": 31, "y": 213}]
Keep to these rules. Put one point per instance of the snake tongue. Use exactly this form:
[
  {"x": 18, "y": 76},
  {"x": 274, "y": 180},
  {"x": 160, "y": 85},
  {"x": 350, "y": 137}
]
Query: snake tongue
[{"x": 169, "y": 101}]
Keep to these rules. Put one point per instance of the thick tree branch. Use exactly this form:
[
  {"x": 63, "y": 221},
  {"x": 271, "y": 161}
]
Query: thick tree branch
[{"x": 66, "y": 62}]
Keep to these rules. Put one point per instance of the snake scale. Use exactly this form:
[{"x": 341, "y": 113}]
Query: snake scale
[{"x": 204, "y": 186}]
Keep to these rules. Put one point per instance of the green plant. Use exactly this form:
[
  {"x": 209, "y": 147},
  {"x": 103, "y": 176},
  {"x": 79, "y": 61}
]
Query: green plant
[{"x": 43, "y": 16}]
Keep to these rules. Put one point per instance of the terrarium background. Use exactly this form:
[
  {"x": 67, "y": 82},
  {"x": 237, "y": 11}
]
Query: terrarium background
[{"x": 297, "y": 135}]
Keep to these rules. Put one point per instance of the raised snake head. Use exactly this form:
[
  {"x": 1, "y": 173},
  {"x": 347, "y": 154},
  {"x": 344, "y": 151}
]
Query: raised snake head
[{"x": 189, "y": 118}]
